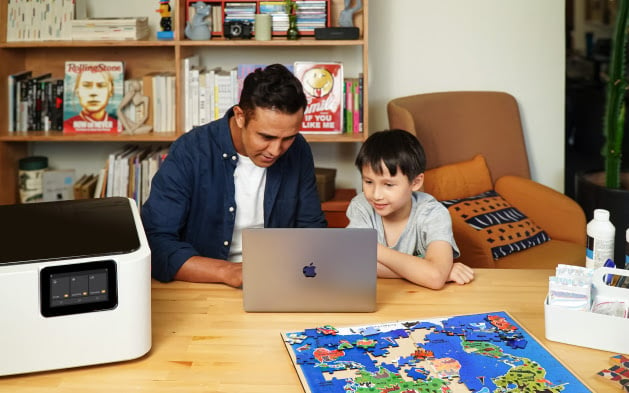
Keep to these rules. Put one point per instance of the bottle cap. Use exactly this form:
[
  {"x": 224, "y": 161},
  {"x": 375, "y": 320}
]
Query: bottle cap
[{"x": 601, "y": 214}]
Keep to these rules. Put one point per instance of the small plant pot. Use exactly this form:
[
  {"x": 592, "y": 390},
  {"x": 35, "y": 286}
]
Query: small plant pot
[{"x": 592, "y": 194}]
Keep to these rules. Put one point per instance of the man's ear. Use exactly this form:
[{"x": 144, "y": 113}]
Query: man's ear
[
  {"x": 418, "y": 182},
  {"x": 239, "y": 116}
]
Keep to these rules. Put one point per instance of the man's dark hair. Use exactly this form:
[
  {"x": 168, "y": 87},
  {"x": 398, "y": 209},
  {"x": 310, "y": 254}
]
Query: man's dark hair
[
  {"x": 395, "y": 149},
  {"x": 273, "y": 87}
]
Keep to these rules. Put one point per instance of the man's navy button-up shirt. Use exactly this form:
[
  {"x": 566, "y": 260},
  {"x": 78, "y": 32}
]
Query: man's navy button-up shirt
[{"x": 191, "y": 209}]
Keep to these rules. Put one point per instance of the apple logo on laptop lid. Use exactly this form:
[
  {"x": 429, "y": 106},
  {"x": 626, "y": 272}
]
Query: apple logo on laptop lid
[{"x": 309, "y": 270}]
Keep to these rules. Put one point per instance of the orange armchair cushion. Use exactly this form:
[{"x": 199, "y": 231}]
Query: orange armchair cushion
[{"x": 459, "y": 180}]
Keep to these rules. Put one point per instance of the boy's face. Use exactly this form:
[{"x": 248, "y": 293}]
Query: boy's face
[{"x": 390, "y": 195}]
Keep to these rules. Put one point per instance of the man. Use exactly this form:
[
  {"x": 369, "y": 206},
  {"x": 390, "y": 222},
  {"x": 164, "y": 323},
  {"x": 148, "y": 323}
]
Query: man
[{"x": 251, "y": 168}]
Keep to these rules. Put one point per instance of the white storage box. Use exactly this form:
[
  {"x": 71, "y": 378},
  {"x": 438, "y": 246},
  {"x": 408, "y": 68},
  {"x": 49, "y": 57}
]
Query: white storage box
[{"x": 588, "y": 329}]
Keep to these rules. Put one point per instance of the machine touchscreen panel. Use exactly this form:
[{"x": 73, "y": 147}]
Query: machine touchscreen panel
[{"x": 78, "y": 288}]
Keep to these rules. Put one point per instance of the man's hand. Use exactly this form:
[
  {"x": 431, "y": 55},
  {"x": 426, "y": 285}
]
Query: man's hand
[
  {"x": 460, "y": 273},
  {"x": 233, "y": 276}
]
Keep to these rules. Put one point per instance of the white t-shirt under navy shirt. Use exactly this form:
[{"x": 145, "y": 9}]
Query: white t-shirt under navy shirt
[{"x": 250, "y": 181}]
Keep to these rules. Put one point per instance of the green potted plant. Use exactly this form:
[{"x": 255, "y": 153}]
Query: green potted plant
[
  {"x": 291, "y": 10},
  {"x": 610, "y": 189}
]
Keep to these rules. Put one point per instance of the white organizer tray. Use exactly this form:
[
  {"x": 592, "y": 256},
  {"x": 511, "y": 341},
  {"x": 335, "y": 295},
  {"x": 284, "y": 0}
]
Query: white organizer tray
[{"x": 587, "y": 329}]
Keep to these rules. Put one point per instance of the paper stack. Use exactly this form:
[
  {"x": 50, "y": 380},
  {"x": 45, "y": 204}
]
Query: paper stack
[{"x": 110, "y": 29}]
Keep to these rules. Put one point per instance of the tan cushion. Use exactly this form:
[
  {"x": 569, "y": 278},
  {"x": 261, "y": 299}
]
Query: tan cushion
[{"x": 459, "y": 180}]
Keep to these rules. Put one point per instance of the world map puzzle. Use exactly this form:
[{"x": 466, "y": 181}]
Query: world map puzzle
[{"x": 470, "y": 353}]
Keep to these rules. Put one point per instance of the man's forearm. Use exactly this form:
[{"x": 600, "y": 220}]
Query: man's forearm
[{"x": 202, "y": 269}]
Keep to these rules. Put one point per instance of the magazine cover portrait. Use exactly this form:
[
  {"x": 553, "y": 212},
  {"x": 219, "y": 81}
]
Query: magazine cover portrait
[{"x": 93, "y": 92}]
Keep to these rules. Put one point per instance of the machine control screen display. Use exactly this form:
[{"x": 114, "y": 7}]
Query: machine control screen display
[{"x": 78, "y": 288}]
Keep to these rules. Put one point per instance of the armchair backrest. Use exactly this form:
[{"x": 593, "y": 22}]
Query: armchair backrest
[{"x": 456, "y": 126}]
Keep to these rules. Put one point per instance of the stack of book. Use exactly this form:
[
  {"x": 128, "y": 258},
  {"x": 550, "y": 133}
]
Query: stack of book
[
  {"x": 310, "y": 15},
  {"x": 110, "y": 29},
  {"x": 240, "y": 12},
  {"x": 128, "y": 172},
  {"x": 279, "y": 17},
  {"x": 208, "y": 92},
  {"x": 159, "y": 87},
  {"x": 29, "y": 20},
  {"x": 35, "y": 102}
]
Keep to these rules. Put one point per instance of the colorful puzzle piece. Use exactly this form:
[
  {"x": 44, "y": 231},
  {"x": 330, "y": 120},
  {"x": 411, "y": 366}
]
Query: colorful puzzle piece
[{"x": 618, "y": 373}]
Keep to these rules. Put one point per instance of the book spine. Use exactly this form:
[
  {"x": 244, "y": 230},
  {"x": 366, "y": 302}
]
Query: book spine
[
  {"x": 170, "y": 96},
  {"x": 57, "y": 122},
  {"x": 347, "y": 110},
  {"x": 22, "y": 118},
  {"x": 194, "y": 96},
  {"x": 157, "y": 103},
  {"x": 361, "y": 118},
  {"x": 32, "y": 105},
  {"x": 203, "y": 98},
  {"x": 356, "y": 106}
]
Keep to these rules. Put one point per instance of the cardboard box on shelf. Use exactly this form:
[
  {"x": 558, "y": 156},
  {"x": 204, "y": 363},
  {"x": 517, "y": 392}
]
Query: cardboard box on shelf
[{"x": 326, "y": 178}]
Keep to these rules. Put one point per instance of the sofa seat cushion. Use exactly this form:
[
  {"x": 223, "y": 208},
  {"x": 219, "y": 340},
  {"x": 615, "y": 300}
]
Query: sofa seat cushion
[{"x": 557, "y": 251}]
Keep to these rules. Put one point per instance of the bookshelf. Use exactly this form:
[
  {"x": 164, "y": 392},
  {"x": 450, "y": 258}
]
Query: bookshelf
[{"x": 152, "y": 55}]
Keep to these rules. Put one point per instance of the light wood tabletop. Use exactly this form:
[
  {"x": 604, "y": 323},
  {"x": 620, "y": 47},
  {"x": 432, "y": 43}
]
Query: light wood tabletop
[{"x": 203, "y": 341}]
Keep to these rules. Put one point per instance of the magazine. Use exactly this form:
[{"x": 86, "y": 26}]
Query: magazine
[
  {"x": 323, "y": 85},
  {"x": 93, "y": 91}
]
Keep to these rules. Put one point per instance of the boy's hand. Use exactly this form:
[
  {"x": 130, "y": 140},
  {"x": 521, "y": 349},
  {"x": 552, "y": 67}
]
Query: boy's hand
[{"x": 460, "y": 273}]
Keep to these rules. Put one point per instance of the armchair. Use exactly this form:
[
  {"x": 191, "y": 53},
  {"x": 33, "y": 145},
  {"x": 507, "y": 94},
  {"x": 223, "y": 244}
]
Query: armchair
[{"x": 474, "y": 144}]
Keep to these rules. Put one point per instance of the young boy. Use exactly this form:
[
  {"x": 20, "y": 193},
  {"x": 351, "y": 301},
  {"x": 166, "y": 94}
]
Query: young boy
[{"x": 415, "y": 239}]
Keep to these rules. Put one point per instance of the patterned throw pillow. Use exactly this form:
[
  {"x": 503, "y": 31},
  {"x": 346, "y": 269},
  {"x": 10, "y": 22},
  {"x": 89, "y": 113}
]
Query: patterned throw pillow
[{"x": 505, "y": 229}]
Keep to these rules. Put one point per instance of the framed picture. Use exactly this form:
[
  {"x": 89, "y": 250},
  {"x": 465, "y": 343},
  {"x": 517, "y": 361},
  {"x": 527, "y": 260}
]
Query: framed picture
[{"x": 600, "y": 11}]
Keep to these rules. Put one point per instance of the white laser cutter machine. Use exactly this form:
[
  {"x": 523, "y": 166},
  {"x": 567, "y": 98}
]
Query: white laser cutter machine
[{"x": 75, "y": 285}]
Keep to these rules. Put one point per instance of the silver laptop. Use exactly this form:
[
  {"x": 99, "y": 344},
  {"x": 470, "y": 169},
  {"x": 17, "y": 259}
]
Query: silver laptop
[{"x": 309, "y": 270}]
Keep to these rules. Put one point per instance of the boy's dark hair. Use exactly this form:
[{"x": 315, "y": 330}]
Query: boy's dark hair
[
  {"x": 273, "y": 87},
  {"x": 395, "y": 149}
]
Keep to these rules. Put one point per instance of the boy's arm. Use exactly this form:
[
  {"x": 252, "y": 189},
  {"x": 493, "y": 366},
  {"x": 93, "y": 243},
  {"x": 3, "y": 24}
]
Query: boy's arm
[
  {"x": 432, "y": 271},
  {"x": 385, "y": 272}
]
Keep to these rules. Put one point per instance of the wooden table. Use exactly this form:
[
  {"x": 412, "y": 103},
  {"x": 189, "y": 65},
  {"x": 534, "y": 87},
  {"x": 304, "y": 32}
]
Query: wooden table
[{"x": 203, "y": 341}]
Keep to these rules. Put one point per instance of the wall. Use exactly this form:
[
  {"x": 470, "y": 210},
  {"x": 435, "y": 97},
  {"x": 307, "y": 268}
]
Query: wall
[{"x": 438, "y": 45}]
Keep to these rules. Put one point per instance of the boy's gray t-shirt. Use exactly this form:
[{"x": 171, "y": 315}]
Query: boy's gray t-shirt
[{"x": 429, "y": 221}]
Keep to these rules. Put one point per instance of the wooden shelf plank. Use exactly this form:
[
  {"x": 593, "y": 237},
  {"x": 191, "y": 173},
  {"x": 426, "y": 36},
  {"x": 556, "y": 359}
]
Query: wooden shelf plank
[
  {"x": 277, "y": 41},
  {"x": 59, "y": 136}
]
